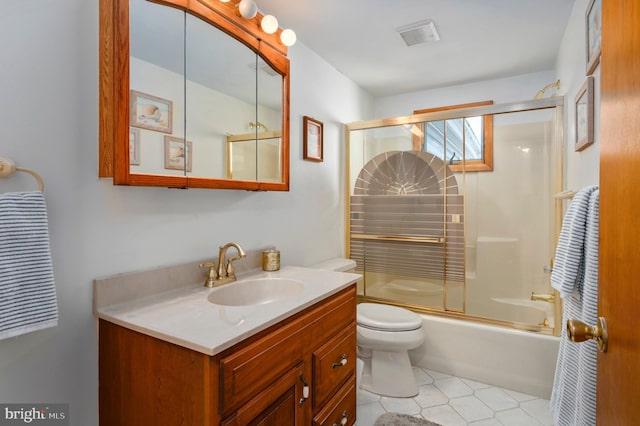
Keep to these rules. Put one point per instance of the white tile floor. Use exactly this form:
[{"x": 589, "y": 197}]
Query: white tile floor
[{"x": 454, "y": 401}]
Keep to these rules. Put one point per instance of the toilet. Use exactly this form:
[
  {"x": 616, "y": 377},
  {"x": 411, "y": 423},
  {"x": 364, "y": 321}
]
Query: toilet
[{"x": 385, "y": 334}]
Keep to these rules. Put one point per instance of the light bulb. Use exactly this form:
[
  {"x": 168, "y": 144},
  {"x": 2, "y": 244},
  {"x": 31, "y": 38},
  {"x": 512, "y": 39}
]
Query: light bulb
[
  {"x": 288, "y": 37},
  {"x": 269, "y": 24},
  {"x": 248, "y": 8}
]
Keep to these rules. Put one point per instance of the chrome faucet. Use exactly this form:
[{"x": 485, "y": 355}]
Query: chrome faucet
[{"x": 223, "y": 274}]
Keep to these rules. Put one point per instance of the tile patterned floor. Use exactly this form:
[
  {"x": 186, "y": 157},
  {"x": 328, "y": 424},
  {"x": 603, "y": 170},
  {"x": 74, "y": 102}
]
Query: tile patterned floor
[{"x": 454, "y": 401}]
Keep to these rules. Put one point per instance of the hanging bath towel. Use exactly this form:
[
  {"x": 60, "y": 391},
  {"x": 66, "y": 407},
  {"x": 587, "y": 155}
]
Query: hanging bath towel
[
  {"x": 27, "y": 288},
  {"x": 575, "y": 276}
]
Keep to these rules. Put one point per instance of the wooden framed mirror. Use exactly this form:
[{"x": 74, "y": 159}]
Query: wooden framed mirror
[{"x": 177, "y": 77}]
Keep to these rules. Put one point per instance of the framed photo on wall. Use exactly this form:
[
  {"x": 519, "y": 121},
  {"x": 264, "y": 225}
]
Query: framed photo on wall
[
  {"x": 594, "y": 34},
  {"x": 177, "y": 153},
  {"x": 134, "y": 146},
  {"x": 150, "y": 112},
  {"x": 584, "y": 115},
  {"x": 312, "y": 148}
]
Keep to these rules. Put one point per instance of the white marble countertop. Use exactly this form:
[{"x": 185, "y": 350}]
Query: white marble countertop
[{"x": 186, "y": 317}]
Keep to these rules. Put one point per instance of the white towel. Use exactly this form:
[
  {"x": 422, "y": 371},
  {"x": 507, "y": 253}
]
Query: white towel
[
  {"x": 573, "y": 399},
  {"x": 27, "y": 289}
]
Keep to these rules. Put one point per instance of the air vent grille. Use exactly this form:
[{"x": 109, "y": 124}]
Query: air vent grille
[{"x": 418, "y": 33}]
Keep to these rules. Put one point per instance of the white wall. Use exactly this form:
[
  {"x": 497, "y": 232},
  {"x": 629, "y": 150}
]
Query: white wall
[
  {"x": 49, "y": 110},
  {"x": 581, "y": 168},
  {"x": 501, "y": 91}
]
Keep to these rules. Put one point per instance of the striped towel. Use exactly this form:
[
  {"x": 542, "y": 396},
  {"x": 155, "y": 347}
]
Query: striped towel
[
  {"x": 568, "y": 267},
  {"x": 573, "y": 399},
  {"x": 27, "y": 289}
]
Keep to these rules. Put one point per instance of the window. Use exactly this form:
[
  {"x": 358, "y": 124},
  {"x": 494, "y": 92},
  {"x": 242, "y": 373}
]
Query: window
[{"x": 469, "y": 141}]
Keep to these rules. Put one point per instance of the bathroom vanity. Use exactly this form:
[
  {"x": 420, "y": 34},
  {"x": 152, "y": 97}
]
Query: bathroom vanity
[{"x": 177, "y": 358}]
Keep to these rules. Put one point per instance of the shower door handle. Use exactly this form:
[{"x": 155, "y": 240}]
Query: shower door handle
[{"x": 577, "y": 332}]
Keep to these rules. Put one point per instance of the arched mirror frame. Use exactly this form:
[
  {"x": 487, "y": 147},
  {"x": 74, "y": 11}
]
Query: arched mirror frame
[{"x": 114, "y": 90}]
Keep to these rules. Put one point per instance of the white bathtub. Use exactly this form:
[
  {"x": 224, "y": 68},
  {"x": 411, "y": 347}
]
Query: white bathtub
[{"x": 518, "y": 360}]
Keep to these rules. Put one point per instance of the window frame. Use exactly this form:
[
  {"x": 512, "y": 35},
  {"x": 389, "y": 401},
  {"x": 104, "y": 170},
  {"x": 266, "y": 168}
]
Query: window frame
[{"x": 484, "y": 165}]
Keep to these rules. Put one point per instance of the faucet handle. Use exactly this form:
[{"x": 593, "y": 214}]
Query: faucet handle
[
  {"x": 211, "y": 275},
  {"x": 231, "y": 270}
]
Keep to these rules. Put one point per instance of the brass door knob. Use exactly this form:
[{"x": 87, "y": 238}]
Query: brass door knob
[{"x": 577, "y": 331}]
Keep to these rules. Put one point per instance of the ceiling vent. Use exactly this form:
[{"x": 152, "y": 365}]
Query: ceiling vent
[{"x": 420, "y": 32}]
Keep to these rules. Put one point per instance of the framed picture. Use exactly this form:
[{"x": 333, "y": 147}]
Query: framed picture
[
  {"x": 594, "y": 34},
  {"x": 584, "y": 115},
  {"x": 134, "y": 146},
  {"x": 312, "y": 148},
  {"x": 150, "y": 112},
  {"x": 176, "y": 152}
]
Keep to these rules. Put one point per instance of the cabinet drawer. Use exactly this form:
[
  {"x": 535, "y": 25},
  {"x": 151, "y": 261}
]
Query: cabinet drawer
[
  {"x": 251, "y": 367},
  {"x": 341, "y": 406},
  {"x": 333, "y": 363}
]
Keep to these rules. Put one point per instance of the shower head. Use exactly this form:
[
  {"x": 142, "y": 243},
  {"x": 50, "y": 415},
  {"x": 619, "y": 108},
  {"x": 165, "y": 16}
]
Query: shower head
[{"x": 540, "y": 94}]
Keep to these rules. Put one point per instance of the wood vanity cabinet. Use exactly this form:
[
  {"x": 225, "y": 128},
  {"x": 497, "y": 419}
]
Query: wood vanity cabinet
[{"x": 259, "y": 381}]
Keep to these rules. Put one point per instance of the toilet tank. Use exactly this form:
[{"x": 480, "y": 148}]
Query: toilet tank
[
  {"x": 338, "y": 264},
  {"x": 341, "y": 264}
]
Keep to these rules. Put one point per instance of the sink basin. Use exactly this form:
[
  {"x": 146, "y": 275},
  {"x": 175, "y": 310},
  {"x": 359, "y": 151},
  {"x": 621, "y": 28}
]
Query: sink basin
[{"x": 257, "y": 291}]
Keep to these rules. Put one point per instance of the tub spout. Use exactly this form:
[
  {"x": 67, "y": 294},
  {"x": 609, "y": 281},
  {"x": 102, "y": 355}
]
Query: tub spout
[{"x": 551, "y": 298}]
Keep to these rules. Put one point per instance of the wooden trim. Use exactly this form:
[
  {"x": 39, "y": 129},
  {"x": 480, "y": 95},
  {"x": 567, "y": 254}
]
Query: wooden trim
[
  {"x": 307, "y": 122},
  {"x": 484, "y": 165},
  {"x": 106, "y": 101},
  {"x": 114, "y": 91},
  {"x": 450, "y": 107}
]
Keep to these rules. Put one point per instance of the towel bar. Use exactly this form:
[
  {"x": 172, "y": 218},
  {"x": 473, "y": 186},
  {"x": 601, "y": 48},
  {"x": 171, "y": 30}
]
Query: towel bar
[
  {"x": 8, "y": 168},
  {"x": 565, "y": 195}
]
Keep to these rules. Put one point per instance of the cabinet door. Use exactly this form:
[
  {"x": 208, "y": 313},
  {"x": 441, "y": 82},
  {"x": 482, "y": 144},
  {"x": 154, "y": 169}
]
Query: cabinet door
[
  {"x": 341, "y": 408},
  {"x": 282, "y": 403},
  {"x": 333, "y": 363}
]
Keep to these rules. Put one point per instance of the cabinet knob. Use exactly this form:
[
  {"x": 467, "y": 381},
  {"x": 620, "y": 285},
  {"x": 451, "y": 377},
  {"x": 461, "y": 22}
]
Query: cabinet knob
[
  {"x": 305, "y": 389},
  {"x": 343, "y": 362},
  {"x": 343, "y": 421}
]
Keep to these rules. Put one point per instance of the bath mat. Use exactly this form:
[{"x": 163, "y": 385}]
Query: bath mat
[{"x": 397, "y": 419}]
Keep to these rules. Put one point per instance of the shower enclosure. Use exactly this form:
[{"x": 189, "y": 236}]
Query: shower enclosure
[{"x": 432, "y": 231}]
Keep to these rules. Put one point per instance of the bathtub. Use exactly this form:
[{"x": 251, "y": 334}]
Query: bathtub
[{"x": 518, "y": 360}]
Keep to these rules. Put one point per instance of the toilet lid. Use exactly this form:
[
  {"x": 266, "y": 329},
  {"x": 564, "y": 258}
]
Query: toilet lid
[{"x": 389, "y": 318}]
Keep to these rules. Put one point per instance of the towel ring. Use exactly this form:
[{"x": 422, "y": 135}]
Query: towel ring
[{"x": 8, "y": 168}]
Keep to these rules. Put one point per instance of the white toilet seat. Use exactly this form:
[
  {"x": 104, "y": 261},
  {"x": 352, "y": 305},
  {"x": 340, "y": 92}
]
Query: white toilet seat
[{"x": 376, "y": 316}]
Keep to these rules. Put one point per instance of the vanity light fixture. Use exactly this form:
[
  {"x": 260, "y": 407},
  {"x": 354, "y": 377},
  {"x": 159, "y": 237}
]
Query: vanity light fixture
[
  {"x": 288, "y": 37},
  {"x": 269, "y": 24},
  {"x": 248, "y": 9}
]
